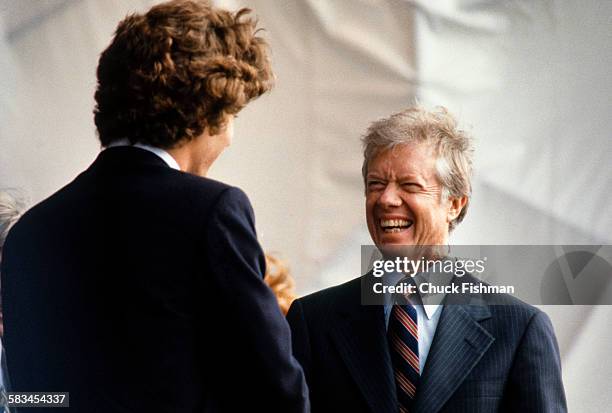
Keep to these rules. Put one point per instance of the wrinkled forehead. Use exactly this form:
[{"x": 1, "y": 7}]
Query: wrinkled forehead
[{"x": 417, "y": 158}]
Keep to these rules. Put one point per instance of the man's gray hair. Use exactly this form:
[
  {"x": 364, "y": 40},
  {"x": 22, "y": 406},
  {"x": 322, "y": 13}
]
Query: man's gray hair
[
  {"x": 11, "y": 209},
  {"x": 437, "y": 127}
]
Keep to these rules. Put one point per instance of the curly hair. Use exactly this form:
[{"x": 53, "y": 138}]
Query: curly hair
[
  {"x": 12, "y": 206},
  {"x": 280, "y": 282},
  {"x": 180, "y": 68}
]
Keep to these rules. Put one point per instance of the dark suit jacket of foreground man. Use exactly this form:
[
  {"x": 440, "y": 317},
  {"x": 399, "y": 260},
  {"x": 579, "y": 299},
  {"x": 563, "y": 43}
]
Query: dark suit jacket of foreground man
[
  {"x": 483, "y": 358},
  {"x": 138, "y": 288}
]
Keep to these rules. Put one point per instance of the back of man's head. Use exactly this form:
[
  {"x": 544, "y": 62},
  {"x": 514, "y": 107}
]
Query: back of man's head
[{"x": 181, "y": 67}]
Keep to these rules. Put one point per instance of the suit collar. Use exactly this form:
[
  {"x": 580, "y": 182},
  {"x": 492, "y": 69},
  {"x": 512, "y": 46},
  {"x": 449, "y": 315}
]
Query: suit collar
[
  {"x": 361, "y": 339},
  {"x": 164, "y": 155},
  {"x": 126, "y": 157},
  {"x": 459, "y": 343}
]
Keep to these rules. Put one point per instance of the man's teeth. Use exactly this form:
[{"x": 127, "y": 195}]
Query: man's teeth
[{"x": 394, "y": 225}]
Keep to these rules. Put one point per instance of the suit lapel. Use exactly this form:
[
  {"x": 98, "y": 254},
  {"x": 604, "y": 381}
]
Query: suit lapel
[
  {"x": 459, "y": 343},
  {"x": 362, "y": 343}
]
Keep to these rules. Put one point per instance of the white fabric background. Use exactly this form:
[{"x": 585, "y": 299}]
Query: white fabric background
[{"x": 530, "y": 79}]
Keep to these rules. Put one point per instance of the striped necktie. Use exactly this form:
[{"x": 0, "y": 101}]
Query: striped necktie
[{"x": 403, "y": 335}]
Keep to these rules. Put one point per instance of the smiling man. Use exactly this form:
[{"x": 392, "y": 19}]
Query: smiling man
[
  {"x": 404, "y": 204},
  {"x": 410, "y": 357}
]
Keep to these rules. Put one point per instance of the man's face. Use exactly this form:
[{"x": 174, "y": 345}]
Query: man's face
[{"x": 403, "y": 198}]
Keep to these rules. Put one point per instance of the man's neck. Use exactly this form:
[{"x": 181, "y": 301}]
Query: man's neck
[{"x": 197, "y": 155}]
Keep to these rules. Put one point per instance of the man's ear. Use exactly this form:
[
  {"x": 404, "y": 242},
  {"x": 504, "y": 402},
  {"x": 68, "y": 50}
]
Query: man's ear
[{"x": 455, "y": 206}]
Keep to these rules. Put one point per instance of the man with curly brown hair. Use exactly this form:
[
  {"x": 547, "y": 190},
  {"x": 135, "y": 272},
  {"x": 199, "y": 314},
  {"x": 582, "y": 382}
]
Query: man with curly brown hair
[{"x": 138, "y": 286}]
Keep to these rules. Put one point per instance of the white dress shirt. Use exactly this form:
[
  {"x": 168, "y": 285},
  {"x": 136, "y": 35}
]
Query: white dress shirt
[{"x": 165, "y": 156}]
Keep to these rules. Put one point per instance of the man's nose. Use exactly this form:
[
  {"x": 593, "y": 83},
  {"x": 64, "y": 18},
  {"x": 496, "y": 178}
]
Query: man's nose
[{"x": 390, "y": 197}]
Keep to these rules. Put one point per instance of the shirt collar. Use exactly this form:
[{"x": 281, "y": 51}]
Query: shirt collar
[
  {"x": 165, "y": 156},
  {"x": 429, "y": 309}
]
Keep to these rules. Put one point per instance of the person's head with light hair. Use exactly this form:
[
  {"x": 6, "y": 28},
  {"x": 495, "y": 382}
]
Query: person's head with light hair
[
  {"x": 417, "y": 172},
  {"x": 11, "y": 209}
]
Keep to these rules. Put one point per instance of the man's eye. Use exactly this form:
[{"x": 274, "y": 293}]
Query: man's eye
[{"x": 375, "y": 184}]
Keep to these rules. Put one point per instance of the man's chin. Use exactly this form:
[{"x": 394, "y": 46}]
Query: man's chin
[
  {"x": 392, "y": 250},
  {"x": 411, "y": 250},
  {"x": 405, "y": 237}
]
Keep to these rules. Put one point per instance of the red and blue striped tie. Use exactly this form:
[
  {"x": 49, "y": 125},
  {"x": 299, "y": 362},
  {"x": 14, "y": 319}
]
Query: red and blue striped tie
[{"x": 403, "y": 332}]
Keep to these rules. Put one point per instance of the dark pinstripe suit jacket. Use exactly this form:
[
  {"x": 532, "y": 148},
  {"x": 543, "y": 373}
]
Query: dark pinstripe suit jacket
[{"x": 484, "y": 358}]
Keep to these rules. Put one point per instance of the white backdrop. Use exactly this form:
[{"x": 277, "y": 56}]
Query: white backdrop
[{"x": 530, "y": 79}]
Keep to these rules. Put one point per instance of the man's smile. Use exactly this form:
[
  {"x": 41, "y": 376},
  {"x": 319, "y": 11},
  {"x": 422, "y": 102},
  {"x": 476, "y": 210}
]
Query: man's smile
[{"x": 395, "y": 225}]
